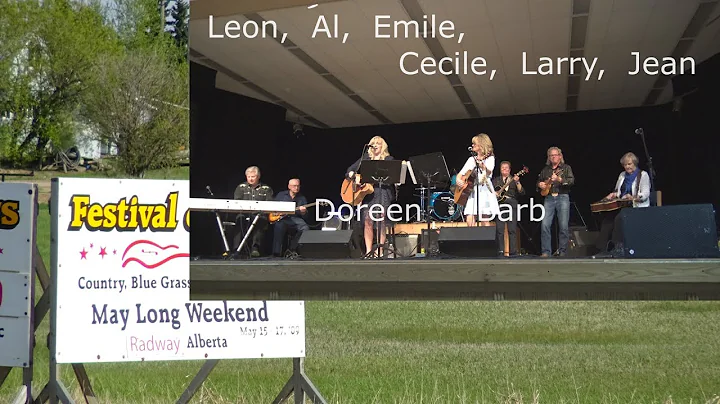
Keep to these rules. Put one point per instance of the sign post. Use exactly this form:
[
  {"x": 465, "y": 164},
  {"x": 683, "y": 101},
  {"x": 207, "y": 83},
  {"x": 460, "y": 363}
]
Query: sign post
[
  {"x": 18, "y": 225},
  {"x": 120, "y": 281}
]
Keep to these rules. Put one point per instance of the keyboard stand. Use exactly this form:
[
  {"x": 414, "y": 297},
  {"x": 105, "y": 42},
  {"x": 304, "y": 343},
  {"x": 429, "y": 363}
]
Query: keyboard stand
[
  {"x": 247, "y": 234},
  {"x": 226, "y": 251}
]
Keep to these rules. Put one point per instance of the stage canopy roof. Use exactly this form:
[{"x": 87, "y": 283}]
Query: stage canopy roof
[{"x": 327, "y": 83}]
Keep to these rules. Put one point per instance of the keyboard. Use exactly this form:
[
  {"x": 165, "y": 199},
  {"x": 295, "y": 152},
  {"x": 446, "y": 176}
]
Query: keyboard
[{"x": 232, "y": 205}]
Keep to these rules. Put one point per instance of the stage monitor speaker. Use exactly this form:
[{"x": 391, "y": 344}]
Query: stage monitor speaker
[
  {"x": 468, "y": 241},
  {"x": 582, "y": 242},
  {"x": 675, "y": 231},
  {"x": 406, "y": 245},
  {"x": 325, "y": 244},
  {"x": 429, "y": 241}
]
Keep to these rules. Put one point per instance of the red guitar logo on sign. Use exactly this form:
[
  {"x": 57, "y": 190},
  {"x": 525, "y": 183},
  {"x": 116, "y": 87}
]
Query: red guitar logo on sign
[{"x": 149, "y": 254}]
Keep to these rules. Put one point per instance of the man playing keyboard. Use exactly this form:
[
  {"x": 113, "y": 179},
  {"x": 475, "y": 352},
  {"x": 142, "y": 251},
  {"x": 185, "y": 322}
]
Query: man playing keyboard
[{"x": 253, "y": 190}]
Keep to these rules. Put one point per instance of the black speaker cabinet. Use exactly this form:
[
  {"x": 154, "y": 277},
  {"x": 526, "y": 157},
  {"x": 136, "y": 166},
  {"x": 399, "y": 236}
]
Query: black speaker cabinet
[
  {"x": 674, "y": 231},
  {"x": 429, "y": 241},
  {"x": 582, "y": 242},
  {"x": 468, "y": 241},
  {"x": 325, "y": 244}
]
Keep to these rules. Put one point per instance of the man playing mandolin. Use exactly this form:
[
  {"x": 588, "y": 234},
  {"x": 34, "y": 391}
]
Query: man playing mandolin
[
  {"x": 633, "y": 185},
  {"x": 294, "y": 222},
  {"x": 554, "y": 182},
  {"x": 512, "y": 189}
]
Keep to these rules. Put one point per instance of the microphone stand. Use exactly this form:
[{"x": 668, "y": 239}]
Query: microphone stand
[
  {"x": 651, "y": 169},
  {"x": 477, "y": 189},
  {"x": 219, "y": 223}
]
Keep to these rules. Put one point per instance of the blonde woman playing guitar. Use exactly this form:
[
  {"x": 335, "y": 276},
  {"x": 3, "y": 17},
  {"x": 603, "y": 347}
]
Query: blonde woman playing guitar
[
  {"x": 377, "y": 150},
  {"x": 482, "y": 195}
]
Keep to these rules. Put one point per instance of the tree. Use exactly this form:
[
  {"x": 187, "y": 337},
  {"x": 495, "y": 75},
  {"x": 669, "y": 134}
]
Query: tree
[
  {"x": 139, "y": 102},
  {"x": 51, "y": 58},
  {"x": 141, "y": 23},
  {"x": 180, "y": 14}
]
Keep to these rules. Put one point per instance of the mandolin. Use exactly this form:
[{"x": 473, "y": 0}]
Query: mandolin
[
  {"x": 274, "y": 217},
  {"x": 546, "y": 191},
  {"x": 462, "y": 193},
  {"x": 502, "y": 196},
  {"x": 353, "y": 192}
]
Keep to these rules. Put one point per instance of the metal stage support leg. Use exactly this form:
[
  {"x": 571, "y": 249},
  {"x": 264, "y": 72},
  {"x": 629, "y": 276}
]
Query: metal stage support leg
[
  {"x": 247, "y": 233},
  {"x": 299, "y": 386}
]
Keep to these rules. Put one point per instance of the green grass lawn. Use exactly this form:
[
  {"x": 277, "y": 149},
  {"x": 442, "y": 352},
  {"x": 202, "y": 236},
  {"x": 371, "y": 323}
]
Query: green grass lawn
[{"x": 448, "y": 352}]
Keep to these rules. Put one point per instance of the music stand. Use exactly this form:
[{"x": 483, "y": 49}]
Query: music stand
[
  {"x": 379, "y": 173},
  {"x": 431, "y": 171}
]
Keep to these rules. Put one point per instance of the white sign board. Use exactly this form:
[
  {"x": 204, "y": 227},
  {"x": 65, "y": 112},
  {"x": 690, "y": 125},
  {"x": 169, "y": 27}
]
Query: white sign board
[
  {"x": 17, "y": 235},
  {"x": 122, "y": 270}
]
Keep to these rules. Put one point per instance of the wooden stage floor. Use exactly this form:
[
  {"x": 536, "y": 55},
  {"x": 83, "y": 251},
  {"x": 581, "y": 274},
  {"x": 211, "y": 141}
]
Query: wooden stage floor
[{"x": 456, "y": 279}]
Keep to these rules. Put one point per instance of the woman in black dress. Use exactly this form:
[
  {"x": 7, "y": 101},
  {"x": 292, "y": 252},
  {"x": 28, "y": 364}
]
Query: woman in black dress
[{"x": 382, "y": 196}]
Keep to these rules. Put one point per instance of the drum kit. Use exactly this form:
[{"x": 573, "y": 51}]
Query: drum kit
[{"x": 442, "y": 203}]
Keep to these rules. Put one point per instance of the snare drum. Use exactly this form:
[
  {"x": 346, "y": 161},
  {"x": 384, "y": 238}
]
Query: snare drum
[{"x": 443, "y": 207}]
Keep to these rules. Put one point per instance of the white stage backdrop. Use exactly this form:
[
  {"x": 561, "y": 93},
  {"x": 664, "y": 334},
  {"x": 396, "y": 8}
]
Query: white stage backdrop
[
  {"x": 122, "y": 269},
  {"x": 17, "y": 225}
]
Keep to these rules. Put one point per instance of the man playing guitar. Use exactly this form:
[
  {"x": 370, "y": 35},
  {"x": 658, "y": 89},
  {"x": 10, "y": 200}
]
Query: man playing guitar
[
  {"x": 514, "y": 189},
  {"x": 554, "y": 183},
  {"x": 294, "y": 222}
]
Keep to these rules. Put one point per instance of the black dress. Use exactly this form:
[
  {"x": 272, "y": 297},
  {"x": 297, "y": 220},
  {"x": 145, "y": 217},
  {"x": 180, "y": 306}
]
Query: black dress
[{"x": 382, "y": 196}]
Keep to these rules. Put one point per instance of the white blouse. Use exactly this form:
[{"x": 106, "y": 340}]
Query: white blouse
[{"x": 642, "y": 191}]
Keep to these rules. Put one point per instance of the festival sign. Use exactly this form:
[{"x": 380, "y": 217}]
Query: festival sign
[
  {"x": 17, "y": 235},
  {"x": 122, "y": 276}
]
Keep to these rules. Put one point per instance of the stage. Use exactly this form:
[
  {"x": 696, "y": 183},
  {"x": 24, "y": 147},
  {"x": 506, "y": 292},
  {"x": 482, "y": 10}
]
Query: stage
[{"x": 521, "y": 278}]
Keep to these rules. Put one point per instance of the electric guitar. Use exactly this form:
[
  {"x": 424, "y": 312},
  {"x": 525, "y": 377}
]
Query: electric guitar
[
  {"x": 353, "y": 191},
  {"x": 274, "y": 217},
  {"x": 462, "y": 193},
  {"x": 503, "y": 190},
  {"x": 546, "y": 191}
]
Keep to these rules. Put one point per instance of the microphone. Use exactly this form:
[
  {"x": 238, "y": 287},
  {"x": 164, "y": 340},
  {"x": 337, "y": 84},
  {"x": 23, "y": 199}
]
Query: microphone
[
  {"x": 639, "y": 131},
  {"x": 470, "y": 148},
  {"x": 471, "y": 151},
  {"x": 209, "y": 191}
]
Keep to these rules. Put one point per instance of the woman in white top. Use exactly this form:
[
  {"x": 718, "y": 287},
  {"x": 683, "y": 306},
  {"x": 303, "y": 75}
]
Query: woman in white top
[
  {"x": 483, "y": 191},
  {"x": 633, "y": 183}
]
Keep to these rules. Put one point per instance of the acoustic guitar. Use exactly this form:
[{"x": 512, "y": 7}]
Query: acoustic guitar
[
  {"x": 462, "y": 193},
  {"x": 501, "y": 198},
  {"x": 353, "y": 192},
  {"x": 546, "y": 191},
  {"x": 274, "y": 217}
]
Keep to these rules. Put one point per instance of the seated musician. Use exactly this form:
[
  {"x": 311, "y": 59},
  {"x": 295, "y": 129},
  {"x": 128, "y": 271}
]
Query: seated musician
[
  {"x": 253, "y": 190},
  {"x": 632, "y": 184},
  {"x": 295, "y": 222},
  {"x": 514, "y": 189}
]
